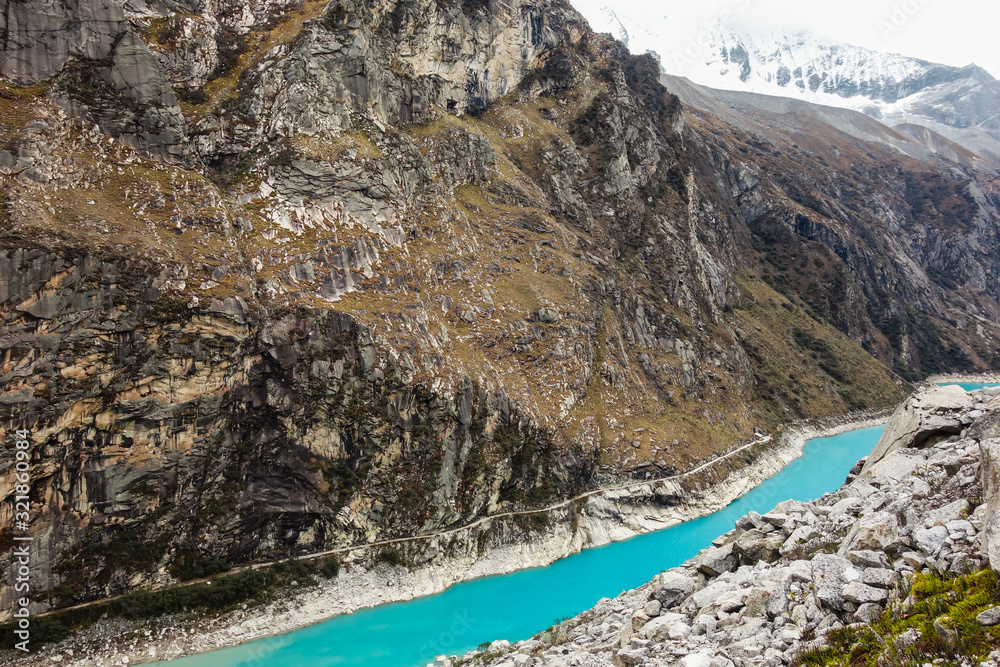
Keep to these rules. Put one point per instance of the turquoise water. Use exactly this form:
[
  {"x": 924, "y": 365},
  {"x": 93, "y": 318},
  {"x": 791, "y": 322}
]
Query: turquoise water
[
  {"x": 971, "y": 386},
  {"x": 518, "y": 605}
]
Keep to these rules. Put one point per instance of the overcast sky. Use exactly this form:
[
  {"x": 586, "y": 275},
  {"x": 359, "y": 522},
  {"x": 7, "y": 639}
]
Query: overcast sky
[{"x": 953, "y": 32}]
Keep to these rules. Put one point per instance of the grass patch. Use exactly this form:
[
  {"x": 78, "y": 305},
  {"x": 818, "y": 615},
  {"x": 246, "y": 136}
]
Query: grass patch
[{"x": 943, "y": 613}]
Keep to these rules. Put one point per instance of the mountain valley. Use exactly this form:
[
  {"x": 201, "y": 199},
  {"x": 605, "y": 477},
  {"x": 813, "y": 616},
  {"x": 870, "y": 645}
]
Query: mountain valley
[{"x": 279, "y": 278}]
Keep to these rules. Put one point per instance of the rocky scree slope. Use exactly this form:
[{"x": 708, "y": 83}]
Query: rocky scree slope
[
  {"x": 800, "y": 578},
  {"x": 281, "y": 277}
]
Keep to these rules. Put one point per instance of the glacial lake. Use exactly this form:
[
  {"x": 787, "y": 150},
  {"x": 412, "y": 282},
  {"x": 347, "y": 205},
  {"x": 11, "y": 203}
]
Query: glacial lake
[
  {"x": 970, "y": 386},
  {"x": 518, "y": 605}
]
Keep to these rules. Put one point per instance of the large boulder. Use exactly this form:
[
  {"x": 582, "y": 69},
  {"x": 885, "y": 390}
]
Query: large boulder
[
  {"x": 673, "y": 588},
  {"x": 713, "y": 561},
  {"x": 926, "y": 418},
  {"x": 40, "y": 36},
  {"x": 989, "y": 473},
  {"x": 658, "y": 629},
  {"x": 873, "y": 532},
  {"x": 860, "y": 593},
  {"x": 754, "y": 546},
  {"x": 831, "y": 574}
]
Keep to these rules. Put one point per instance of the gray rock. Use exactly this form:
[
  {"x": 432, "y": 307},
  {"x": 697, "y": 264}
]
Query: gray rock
[
  {"x": 916, "y": 422},
  {"x": 629, "y": 657},
  {"x": 989, "y": 617},
  {"x": 959, "y": 530},
  {"x": 658, "y": 628},
  {"x": 867, "y": 612},
  {"x": 944, "y": 627},
  {"x": 710, "y": 594},
  {"x": 700, "y": 659},
  {"x": 673, "y": 588},
  {"x": 827, "y": 624},
  {"x": 860, "y": 593},
  {"x": 41, "y": 36},
  {"x": 873, "y": 532},
  {"x": 799, "y": 616},
  {"x": 548, "y": 315},
  {"x": 913, "y": 559},
  {"x": 989, "y": 475},
  {"x": 965, "y": 564},
  {"x": 789, "y": 633},
  {"x": 942, "y": 515},
  {"x": 731, "y": 601},
  {"x": 830, "y": 575},
  {"x": 749, "y": 521},
  {"x": 754, "y": 546},
  {"x": 220, "y": 272},
  {"x": 869, "y": 559},
  {"x": 848, "y": 506},
  {"x": 722, "y": 661},
  {"x": 233, "y": 307},
  {"x": 704, "y": 624},
  {"x": 756, "y": 602},
  {"x": 908, "y": 639},
  {"x": 777, "y": 599},
  {"x": 750, "y": 627},
  {"x": 715, "y": 560},
  {"x": 799, "y": 536},
  {"x": 929, "y": 540},
  {"x": 137, "y": 73},
  {"x": 880, "y": 578},
  {"x": 679, "y": 631}
]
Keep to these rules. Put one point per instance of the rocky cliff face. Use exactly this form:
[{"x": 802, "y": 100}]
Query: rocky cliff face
[
  {"x": 278, "y": 277},
  {"x": 806, "y": 582},
  {"x": 910, "y": 246}
]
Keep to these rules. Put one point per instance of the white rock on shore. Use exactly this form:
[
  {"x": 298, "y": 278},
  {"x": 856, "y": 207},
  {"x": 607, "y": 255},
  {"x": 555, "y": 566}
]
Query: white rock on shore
[{"x": 905, "y": 511}]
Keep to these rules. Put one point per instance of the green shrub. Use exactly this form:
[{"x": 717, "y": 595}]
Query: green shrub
[
  {"x": 391, "y": 557},
  {"x": 196, "y": 565},
  {"x": 935, "y": 596},
  {"x": 331, "y": 568}
]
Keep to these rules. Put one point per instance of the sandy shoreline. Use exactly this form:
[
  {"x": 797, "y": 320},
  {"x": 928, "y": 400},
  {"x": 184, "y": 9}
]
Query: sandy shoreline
[{"x": 109, "y": 642}]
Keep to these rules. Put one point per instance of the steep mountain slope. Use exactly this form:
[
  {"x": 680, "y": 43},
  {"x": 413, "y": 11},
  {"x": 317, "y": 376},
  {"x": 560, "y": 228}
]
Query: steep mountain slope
[
  {"x": 868, "y": 195},
  {"x": 281, "y": 277},
  {"x": 959, "y": 103}
]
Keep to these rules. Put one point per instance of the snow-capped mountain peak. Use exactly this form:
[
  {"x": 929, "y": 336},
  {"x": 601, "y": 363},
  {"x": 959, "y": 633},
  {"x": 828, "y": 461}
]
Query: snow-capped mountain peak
[{"x": 959, "y": 102}]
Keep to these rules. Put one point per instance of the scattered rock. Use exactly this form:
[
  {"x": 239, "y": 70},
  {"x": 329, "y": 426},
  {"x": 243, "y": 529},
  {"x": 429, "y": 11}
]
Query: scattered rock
[{"x": 990, "y": 617}]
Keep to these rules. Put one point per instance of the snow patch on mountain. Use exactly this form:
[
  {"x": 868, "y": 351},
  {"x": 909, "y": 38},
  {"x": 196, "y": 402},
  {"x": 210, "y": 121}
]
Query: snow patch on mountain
[{"x": 960, "y": 102}]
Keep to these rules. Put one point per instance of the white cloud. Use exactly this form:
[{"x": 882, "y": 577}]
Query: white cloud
[{"x": 953, "y": 32}]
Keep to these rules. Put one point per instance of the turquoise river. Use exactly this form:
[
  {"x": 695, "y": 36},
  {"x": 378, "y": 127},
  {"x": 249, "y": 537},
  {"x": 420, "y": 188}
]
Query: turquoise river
[{"x": 518, "y": 605}]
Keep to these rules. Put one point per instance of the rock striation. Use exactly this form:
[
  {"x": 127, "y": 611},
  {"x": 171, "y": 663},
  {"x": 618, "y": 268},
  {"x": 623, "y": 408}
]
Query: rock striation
[{"x": 778, "y": 583}]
